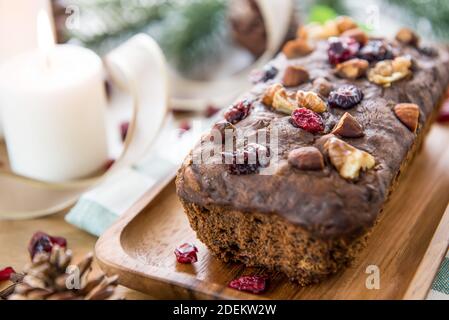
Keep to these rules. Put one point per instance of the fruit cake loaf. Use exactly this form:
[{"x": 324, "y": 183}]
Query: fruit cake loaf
[{"x": 349, "y": 113}]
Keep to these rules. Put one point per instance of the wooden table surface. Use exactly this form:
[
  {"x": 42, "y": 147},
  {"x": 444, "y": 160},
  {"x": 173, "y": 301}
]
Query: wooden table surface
[{"x": 14, "y": 237}]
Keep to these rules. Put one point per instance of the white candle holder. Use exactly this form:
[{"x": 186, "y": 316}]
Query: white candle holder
[
  {"x": 138, "y": 61},
  {"x": 54, "y": 113},
  {"x": 17, "y": 29}
]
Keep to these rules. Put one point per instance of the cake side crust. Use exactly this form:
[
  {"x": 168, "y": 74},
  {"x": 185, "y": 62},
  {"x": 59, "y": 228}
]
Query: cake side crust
[{"x": 272, "y": 242}]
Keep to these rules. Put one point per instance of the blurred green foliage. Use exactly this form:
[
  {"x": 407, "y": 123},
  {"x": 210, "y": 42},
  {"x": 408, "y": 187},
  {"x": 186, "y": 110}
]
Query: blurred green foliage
[
  {"x": 321, "y": 14},
  {"x": 192, "y": 32},
  {"x": 189, "y": 32},
  {"x": 431, "y": 17},
  {"x": 435, "y": 11}
]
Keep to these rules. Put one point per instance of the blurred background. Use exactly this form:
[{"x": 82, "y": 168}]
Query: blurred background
[{"x": 197, "y": 35}]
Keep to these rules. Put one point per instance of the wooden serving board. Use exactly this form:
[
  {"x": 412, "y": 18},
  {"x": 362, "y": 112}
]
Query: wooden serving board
[{"x": 139, "y": 247}]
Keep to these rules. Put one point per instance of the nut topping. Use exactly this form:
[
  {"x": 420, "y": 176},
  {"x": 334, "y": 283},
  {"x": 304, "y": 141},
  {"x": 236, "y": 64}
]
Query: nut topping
[
  {"x": 322, "y": 86},
  {"x": 402, "y": 64},
  {"x": 222, "y": 127},
  {"x": 352, "y": 69},
  {"x": 329, "y": 29},
  {"x": 348, "y": 127},
  {"x": 310, "y": 100},
  {"x": 294, "y": 76},
  {"x": 306, "y": 158},
  {"x": 282, "y": 102},
  {"x": 408, "y": 37},
  {"x": 297, "y": 48},
  {"x": 357, "y": 34},
  {"x": 345, "y": 23},
  {"x": 301, "y": 33},
  {"x": 269, "y": 94},
  {"x": 347, "y": 159},
  {"x": 388, "y": 71},
  {"x": 408, "y": 114},
  {"x": 190, "y": 180},
  {"x": 333, "y": 28},
  {"x": 316, "y": 31}
]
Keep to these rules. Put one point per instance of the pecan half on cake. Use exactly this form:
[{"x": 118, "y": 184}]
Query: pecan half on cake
[{"x": 353, "y": 115}]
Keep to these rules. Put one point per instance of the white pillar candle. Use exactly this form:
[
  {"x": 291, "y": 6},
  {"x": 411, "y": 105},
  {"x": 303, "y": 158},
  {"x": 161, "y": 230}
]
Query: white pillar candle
[
  {"x": 53, "y": 109},
  {"x": 18, "y": 28}
]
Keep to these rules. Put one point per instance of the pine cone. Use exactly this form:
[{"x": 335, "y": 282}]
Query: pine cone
[{"x": 50, "y": 277}]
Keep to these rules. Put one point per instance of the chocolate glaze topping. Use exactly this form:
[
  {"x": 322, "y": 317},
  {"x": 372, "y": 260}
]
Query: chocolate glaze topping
[{"x": 322, "y": 202}]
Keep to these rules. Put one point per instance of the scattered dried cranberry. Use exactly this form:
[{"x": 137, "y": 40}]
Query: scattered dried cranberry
[
  {"x": 342, "y": 49},
  {"x": 109, "y": 163},
  {"x": 60, "y": 241},
  {"x": 428, "y": 51},
  {"x": 243, "y": 169},
  {"x": 443, "y": 116},
  {"x": 186, "y": 253},
  {"x": 6, "y": 273},
  {"x": 249, "y": 160},
  {"x": 345, "y": 96},
  {"x": 124, "y": 126},
  {"x": 42, "y": 242},
  {"x": 253, "y": 284},
  {"x": 107, "y": 88},
  {"x": 307, "y": 120},
  {"x": 267, "y": 73},
  {"x": 180, "y": 112},
  {"x": 222, "y": 126},
  {"x": 211, "y": 111},
  {"x": 184, "y": 126},
  {"x": 238, "y": 111},
  {"x": 376, "y": 50}
]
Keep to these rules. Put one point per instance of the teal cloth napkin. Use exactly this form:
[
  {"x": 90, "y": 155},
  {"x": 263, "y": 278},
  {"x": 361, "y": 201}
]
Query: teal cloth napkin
[
  {"x": 101, "y": 206},
  {"x": 440, "y": 286}
]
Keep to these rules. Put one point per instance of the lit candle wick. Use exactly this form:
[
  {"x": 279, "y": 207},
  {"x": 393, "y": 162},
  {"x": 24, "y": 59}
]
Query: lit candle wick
[{"x": 45, "y": 36}]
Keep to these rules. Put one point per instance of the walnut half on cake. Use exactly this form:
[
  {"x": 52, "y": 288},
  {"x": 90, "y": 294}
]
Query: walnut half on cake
[{"x": 343, "y": 133}]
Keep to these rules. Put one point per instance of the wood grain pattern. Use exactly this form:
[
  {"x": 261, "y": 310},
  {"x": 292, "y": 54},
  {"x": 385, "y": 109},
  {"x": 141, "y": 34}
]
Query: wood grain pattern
[
  {"x": 139, "y": 247},
  {"x": 14, "y": 237},
  {"x": 431, "y": 261}
]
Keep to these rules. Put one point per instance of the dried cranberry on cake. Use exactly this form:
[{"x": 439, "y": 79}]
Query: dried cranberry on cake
[
  {"x": 307, "y": 120},
  {"x": 345, "y": 96},
  {"x": 342, "y": 49},
  {"x": 238, "y": 111}
]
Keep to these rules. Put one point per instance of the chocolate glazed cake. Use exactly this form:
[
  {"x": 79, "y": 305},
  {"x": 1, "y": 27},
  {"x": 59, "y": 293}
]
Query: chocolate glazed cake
[{"x": 350, "y": 113}]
